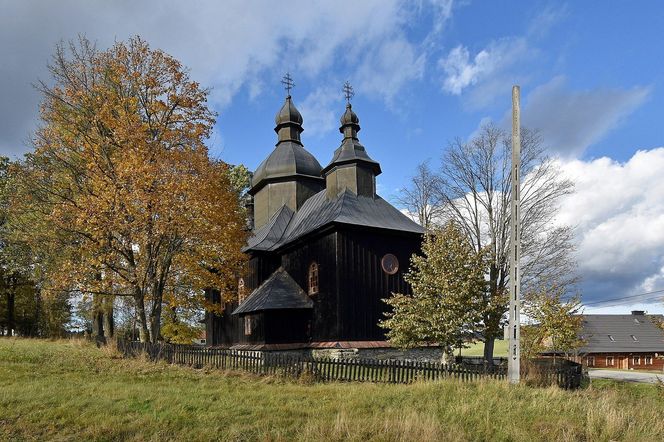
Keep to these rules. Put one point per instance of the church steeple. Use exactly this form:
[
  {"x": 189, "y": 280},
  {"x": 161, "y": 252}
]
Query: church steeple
[
  {"x": 351, "y": 167},
  {"x": 290, "y": 174},
  {"x": 288, "y": 120}
]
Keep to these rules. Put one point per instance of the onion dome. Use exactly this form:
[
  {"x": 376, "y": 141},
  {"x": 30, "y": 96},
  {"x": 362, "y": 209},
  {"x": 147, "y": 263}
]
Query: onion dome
[
  {"x": 289, "y": 158},
  {"x": 287, "y": 114},
  {"x": 351, "y": 151},
  {"x": 349, "y": 118}
]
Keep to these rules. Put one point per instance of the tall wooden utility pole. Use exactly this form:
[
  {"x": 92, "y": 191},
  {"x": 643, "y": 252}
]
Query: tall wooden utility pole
[{"x": 513, "y": 362}]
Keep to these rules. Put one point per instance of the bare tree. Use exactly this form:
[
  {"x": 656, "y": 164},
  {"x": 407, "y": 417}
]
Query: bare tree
[
  {"x": 475, "y": 183},
  {"x": 423, "y": 196}
]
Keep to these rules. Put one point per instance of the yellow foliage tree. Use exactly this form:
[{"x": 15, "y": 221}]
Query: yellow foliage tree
[
  {"x": 447, "y": 302},
  {"x": 120, "y": 197}
]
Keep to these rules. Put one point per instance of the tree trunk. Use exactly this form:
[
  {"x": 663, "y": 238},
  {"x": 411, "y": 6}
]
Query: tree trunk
[
  {"x": 155, "y": 321},
  {"x": 11, "y": 306},
  {"x": 108, "y": 319},
  {"x": 97, "y": 318},
  {"x": 142, "y": 321},
  {"x": 11, "y": 313},
  {"x": 489, "y": 342}
]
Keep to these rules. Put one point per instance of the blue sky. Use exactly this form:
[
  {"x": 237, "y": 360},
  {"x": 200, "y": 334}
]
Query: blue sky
[{"x": 424, "y": 72}]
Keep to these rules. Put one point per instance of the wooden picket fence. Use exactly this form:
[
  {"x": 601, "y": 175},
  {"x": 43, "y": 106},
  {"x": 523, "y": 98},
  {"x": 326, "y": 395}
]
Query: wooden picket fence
[{"x": 319, "y": 369}]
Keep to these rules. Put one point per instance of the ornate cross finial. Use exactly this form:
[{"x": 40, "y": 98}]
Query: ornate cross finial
[
  {"x": 288, "y": 83},
  {"x": 348, "y": 91}
]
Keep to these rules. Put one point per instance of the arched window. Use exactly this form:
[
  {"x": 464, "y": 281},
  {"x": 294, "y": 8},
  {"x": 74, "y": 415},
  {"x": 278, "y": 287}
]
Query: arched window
[
  {"x": 313, "y": 278},
  {"x": 240, "y": 291},
  {"x": 247, "y": 325}
]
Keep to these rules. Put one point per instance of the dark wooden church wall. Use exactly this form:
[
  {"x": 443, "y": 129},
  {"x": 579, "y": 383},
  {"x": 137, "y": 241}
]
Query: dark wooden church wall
[
  {"x": 296, "y": 261},
  {"x": 260, "y": 267},
  {"x": 227, "y": 329},
  {"x": 363, "y": 283},
  {"x": 286, "y": 326},
  {"x": 224, "y": 329}
]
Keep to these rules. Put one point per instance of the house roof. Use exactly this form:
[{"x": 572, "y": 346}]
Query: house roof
[
  {"x": 622, "y": 333},
  {"x": 319, "y": 211},
  {"x": 271, "y": 233},
  {"x": 279, "y": 291}
]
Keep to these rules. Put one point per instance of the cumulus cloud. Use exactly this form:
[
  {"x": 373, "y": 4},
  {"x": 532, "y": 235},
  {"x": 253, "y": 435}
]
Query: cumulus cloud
[
  {"x": 462, "y": 71},
  {"x": 618, "y": 212},
  {"x": 228, "y": 45},
  {"x": 486, "y": 74},
  {"x": 570, "y": 121}
]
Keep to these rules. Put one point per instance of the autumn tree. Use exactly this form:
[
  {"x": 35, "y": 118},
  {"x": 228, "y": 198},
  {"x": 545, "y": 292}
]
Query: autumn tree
[
  {"x": 448, "y": 283},
  {"x": 120, "y": 197},
  {"x": 557, "y": 321},
  {"x": 474, "y": 190}
]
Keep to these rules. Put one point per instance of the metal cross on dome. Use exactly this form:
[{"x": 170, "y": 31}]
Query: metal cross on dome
[
  {"x": 288, "y": 83},
  {"x": 348, "y": 91}
]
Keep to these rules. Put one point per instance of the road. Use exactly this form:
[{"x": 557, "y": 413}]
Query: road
[{"x": 626, "y": 376}]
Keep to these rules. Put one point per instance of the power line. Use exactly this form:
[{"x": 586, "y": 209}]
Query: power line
[{"x": 624, "y": 298}]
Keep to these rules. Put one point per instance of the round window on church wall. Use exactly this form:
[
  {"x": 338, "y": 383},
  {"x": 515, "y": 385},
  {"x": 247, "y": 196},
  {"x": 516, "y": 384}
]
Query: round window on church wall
[{"x": 390, "y": 264}]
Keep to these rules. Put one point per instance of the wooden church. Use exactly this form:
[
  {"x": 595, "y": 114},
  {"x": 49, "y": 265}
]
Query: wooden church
[{"x": 325, "y": 249}]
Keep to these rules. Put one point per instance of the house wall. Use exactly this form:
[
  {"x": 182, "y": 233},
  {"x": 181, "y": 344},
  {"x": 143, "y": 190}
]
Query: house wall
[{"x": 623, "y": 361}]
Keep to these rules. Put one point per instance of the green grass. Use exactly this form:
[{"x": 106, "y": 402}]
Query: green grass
[
  {"x": 477, "y": 349},
  {"x": 61, "y": 390}
]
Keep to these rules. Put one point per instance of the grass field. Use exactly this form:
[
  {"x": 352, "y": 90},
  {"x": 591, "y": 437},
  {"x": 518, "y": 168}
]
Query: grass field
[
  {"x": 72, "y": 391},
  {"x": 477, "y": 349}
]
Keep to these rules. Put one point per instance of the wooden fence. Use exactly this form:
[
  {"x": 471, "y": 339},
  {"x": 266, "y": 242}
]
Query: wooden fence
[{"x": 320, "y": 369}]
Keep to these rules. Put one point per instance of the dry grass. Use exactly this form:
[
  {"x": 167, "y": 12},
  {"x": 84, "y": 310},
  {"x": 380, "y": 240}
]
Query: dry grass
[{"x": 62, "y": 390}]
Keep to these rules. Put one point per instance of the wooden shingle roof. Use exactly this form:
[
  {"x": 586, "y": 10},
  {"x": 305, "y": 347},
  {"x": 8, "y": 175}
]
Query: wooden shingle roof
[{"x": 279, "y": 291}]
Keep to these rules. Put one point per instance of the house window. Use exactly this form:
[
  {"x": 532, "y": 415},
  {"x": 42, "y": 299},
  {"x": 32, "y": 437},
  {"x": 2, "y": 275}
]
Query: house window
[
  {"x": 241, "y": 292},
  {"x": 313, "y": 278},
  {"x": 648, "y": 360},
  {"x": 636, "y": 360},
  {"x": 634, "y": 338},
  {"x": 590, "y": 360},
  {"x": 612, "y": 338},
  {"x": 247, "y": 325},
  {"x": 609, "y": 361}
]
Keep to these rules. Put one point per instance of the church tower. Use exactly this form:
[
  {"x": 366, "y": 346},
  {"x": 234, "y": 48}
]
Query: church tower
[
  {"x": 351, "y": 167},
  {"x": 290, "y": 174}
]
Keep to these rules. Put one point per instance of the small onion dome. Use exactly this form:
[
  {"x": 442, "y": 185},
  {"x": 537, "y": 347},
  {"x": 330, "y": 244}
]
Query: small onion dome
[
  {"x": 351, "y": 150},
  {"x": 349, "y": 118},
  {"x": 288, "y": 114}
]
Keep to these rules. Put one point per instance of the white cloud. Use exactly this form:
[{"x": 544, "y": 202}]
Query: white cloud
[
  {"x": 489, "y": 70},
  {"x": 487, "y": 74},
  {"x": 228, "y": 45},
  {"x": 570, "y": 121},
  {"x": 618, "y": 212}
]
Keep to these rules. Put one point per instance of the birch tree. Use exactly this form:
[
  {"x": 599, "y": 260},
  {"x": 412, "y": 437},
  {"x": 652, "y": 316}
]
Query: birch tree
[{"x": 447, "y": 302}]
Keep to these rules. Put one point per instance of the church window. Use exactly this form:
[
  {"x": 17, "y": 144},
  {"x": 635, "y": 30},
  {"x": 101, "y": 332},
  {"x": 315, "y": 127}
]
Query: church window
[
  {"x": 241, "y": 292},
  {"x": 390, "y": 264},
  {"x": 313, "y": 278},
  {"x": 247, "y": 325}
]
